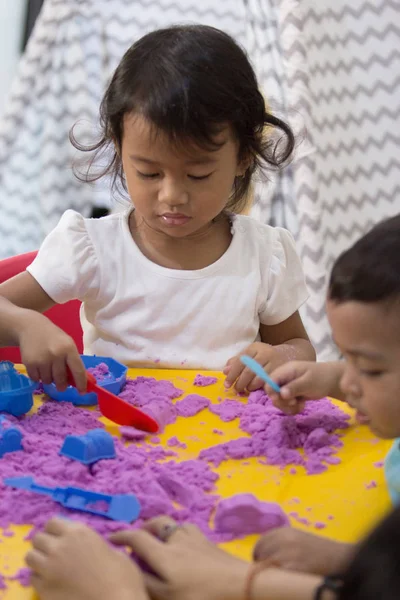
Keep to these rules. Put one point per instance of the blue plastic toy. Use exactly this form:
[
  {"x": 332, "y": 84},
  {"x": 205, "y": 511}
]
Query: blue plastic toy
[
  {"x": 254, "y": 366},
  {"x": 113, "y": 382},
  {"x": 10, "y": 437},
  {"x": 89, "y": 448},
  {"x": 118, "y": 507},
  {"x": 15, "y": 390}
]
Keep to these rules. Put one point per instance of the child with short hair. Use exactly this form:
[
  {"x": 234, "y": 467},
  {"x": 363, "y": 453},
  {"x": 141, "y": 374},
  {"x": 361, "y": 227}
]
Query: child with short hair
[
  {"x": 180, "y": 278},
  {"x": 364, "y": 312}
]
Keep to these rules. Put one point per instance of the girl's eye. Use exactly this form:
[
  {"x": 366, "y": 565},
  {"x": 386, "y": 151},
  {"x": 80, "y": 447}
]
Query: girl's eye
[
  {"x": 147, "y": 175},
  {"x": 371, "y": 372},
  {"x": 200, "y": 177}
]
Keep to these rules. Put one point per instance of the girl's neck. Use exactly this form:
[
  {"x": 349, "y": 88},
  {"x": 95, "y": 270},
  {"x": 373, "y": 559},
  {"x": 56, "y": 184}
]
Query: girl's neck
[{"x": 193, "y": 252}]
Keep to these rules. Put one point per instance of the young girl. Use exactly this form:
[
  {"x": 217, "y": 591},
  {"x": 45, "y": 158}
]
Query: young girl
[{"x": 180, "y": 278}]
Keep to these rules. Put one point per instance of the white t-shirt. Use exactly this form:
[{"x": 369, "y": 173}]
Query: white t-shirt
[{"x": 139, "y": 312}]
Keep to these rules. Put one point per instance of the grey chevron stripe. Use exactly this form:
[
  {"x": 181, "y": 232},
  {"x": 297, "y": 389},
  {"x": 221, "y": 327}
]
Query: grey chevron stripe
[
  {"x": 350, "y": 201},
  {"x": 348, "y": 10},
  {"x": 360, "y": 89},
  {"x": 360, "y": 171},
  {"x": 314, "y": 256},
  {"x": 327, "y": 68},
  {"x": 382, "y": 112},
  {"x": 363, "y": 146},
  {"x": 340, "y": 41}
]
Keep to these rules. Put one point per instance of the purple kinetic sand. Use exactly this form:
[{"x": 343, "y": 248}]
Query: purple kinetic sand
[
  {"x": 132, "y": 434},
  {"x": 228, "y": 410},
  {"x": 180, "y": 490},
  {"x": 244, "y": 514},
  {"x": 174, "y": 442},
  {"x": 204, "y": 380},
  {"x": 135, "y": 470},
  {"x": 100, "y": 372},
  {"x": 154, "y": 397},
  {"x": 3, "y": 585},
  {"x": 279, "y": 437},
  {"x": 191, "y": 405}
]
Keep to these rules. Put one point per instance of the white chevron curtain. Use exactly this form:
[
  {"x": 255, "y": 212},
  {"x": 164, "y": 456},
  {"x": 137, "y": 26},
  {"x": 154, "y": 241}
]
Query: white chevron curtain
[
  {"x": 332, "y": 68},
  {"x": 342, "y": 72}
]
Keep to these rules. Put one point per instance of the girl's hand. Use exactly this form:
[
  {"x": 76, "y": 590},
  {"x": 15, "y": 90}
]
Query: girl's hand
[
  {"x": 269, "y": 358},
  {"x": 69, "y": 560},
  {"x": 185, "y": 564},
  {"x": 47, "y": 351},
  {"x": 304, "y": 380}
]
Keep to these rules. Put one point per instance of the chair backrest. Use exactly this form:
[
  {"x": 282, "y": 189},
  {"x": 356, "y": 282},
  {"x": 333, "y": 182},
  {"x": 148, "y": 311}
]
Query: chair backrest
[{"x": 65, "y": 316}]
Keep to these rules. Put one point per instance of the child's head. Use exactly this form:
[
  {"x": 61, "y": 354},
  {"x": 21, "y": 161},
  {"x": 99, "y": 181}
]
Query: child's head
[
  {"x": 187, "y": 125},
  {"x": 364, "y": 311},
  {"x": 375, "y": 570}
]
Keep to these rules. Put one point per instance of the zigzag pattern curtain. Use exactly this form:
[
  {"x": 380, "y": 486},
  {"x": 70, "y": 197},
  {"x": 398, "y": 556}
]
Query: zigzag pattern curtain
[{"x": 342, "y": 73}]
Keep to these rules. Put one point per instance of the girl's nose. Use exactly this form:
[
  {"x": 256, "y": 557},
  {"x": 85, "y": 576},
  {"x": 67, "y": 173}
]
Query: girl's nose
[{"x": 172, "y": 193}]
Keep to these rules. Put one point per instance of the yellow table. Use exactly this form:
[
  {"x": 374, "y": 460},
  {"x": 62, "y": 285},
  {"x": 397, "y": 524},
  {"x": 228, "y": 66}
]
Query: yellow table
[{"x": 340, "y": 492}]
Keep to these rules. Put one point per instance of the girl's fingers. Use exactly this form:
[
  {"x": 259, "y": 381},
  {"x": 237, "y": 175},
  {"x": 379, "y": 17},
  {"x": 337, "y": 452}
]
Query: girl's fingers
[
  {"x": 45, "y": 373},
  {"x": 59, "y": 373},
  {"x": 77, "y": 369}
]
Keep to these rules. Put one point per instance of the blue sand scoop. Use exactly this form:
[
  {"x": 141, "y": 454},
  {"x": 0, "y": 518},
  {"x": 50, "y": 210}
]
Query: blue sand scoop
[
  {"x": 95, "y": 445},
  {"x": 119, "y": 507},
  {"x": 254, "y": 366}
]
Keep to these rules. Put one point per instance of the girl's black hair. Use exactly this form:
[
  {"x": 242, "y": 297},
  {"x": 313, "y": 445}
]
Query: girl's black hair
[
  {"x": 370, "y": 270},
  {"x": 375, "y": 570},
  {"x": 190, "y": 81}
]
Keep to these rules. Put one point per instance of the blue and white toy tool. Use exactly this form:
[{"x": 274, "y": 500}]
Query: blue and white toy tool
[
  {"x": 254, "y": 366},
  {"x": 95, "y": 445},
  {"x": 10, "y": 437},
  {"x": 15, "y": 390},
  {"x": 118, "y": 507}
]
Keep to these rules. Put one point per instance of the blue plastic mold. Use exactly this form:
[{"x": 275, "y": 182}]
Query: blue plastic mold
[
  {"x": 89, "y": 448},
  {"x": 10, "y": 437},
  {"x": 15, "y": 390},
  {"x": 113, "y": 382},
  {"x": 118, "y": 507}
]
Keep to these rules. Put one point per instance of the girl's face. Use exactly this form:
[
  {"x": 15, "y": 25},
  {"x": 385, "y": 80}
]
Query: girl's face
[
  {"x": 177, "y": 191},
  {"x": 368, "y": 335}
]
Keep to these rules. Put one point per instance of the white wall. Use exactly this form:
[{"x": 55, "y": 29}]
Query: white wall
[{"x": 12, "y": 15}]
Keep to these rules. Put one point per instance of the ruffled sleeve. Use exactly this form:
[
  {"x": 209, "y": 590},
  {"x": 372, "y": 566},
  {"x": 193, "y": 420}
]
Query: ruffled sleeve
[
  {"x": 284, "y": 288},
  {"x": 66, "y": 265}
]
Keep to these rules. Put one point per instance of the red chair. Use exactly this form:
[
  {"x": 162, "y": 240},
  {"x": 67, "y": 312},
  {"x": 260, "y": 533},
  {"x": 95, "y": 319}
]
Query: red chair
[{"x": 66, "y": 316}]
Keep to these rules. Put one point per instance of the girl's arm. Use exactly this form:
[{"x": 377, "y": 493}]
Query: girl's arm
[
  {"x": 24, "y": 291},
  {"x": 281, "y": 343},
  {"x": 289, "y": 338}
]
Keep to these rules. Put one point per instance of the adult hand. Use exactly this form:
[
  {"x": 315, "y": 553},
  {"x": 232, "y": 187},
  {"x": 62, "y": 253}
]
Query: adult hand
[
  {"x": 185, "y": 564},
  {"x": 69, "y": 560}
]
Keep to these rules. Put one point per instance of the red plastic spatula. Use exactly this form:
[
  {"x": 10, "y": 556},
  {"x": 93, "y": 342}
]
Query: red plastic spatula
[{"x": 117, "y": 410}]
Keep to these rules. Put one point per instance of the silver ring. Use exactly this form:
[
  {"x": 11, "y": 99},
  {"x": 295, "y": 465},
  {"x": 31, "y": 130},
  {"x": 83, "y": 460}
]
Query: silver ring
[{"x": 168, "y": 531}]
